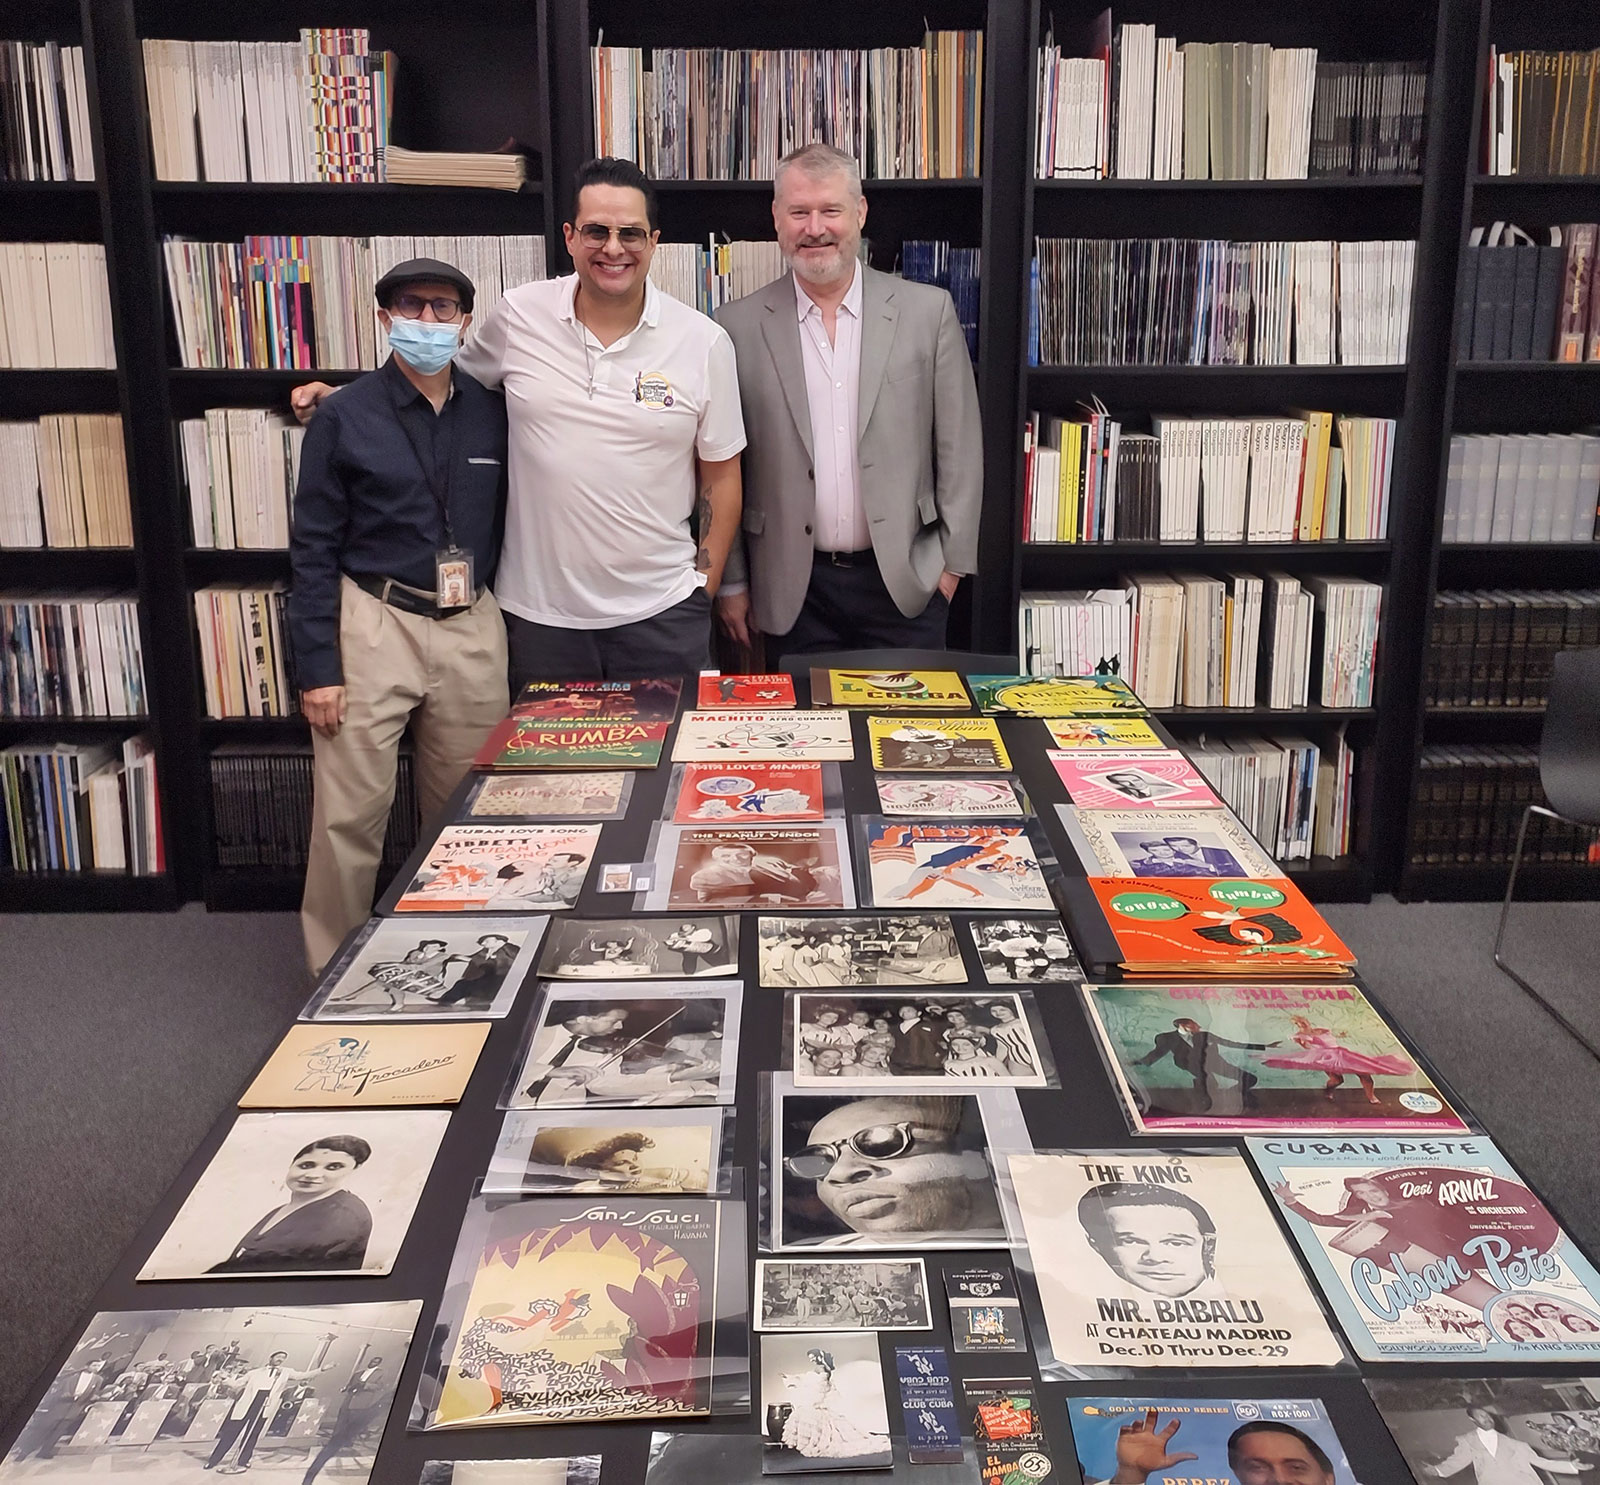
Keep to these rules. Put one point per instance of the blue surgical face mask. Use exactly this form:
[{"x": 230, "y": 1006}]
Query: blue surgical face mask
[{"x": 424, "y": 345}]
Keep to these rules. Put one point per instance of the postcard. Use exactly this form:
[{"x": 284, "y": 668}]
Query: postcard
[
  {"x": 1434, "y": 1249},
  {"x": 748, "y": 794},
  {"x": 951, "y": 864},
  {"x": 1163, "y": 780},
  {"x": 652, "y": 700},
  {"x": 335, "y": 1193},
  {"x": 846, "y": 1035},
  {"x": 1102, "y": 732},
  {"x": 931, "y": 798},
  {"x": 1024, "y": 949},
  {"x": 907, "y": 949},
  {"x": 896, "y": 690},
  {"x": 552, "y": 796},
  {"x": 765, "y": 866},
  {"x": 273, "y": 1389},
  {"x": 1159, "y": 1258},
  {"x": 531, "y": 742},
  {"x": 774, "y": 737},
  {"x": 465, "y": 968},
  {"x": 1060, "y": 696},
  {"x": 824, "y": 1396},
  {"x": 630, "y": 1044},
  {"x": 561, "y": 1150},
  {"x": 745, "y": 691},
  {"x": 367, "y": 1065},
  {"x": 842, "y": 1294},
  {"x": 1233, "y": 1059},
  {"x": 889, "y": 1170},
  {"x": 577, "y": 1469},
  {"x": 646, "y": 948},
  {"x": 1173, "y": 843},
  {"x": 696, "y": 1456},
  {"x": 938, "y": 744},
  {"x": 502, "y": 868}
]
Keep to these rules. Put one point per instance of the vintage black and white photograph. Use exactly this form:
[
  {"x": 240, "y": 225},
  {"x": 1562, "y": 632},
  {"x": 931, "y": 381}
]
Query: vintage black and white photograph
[
  {"x": 319, "y": 1192},
  {"x": 287, "y": 1393},
  {"x": 463, "y": 967},
  {"x": 611, "y": 1150},
  {"x": 629, "y": 1045},
  {"x": 1024, "y": 950},
  {"x": 576, "y": 1469},
  {"x": 915, "y": 1037},
  {"x": 904, "y": 949},
  {"x": 841, "y": 1294},
  {"x": 1493, "y": 1430},
  {"x": 822, "y": 1403},
  {"x": 641, "y": 948},
  {"x": 890, "y": 1171},
  {"x": 695, "y": 1457}
]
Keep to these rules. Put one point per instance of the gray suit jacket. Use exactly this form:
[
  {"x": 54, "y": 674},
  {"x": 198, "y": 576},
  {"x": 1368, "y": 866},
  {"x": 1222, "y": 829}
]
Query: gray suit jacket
[{"x": 920, "y": 448}]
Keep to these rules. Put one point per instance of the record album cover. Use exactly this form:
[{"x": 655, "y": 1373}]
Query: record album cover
[
  {"x": 1226, "y": 1059},
  {"x": 907, "y": 949},
  {"x": 841, "y": 1294},
  {"x": 1159, "y": 1258},
  {"x": 899, "y": 690},
  {"x": 745, "y": 691},
  {"x": 1433, "y": 1249},
  {"x": 641, "y": 948},
  {"x": 1164, "y": 780},
  {"x": 651, "y": 700},
  {"x": 463, "y": 968},
  {"x": 531, "y": 742},
  {"x": 367, "y": 1064},
  {"x": 951, "y": 864},
  {"x": 1024, "y": 949},
  {"x": 559, "y": 796},
  {"x": 1063, "y": 696},
  {"x": 722, "y": 736},
  {"x": 324, "y": 1192},
  {"x": 937, "y": 744},
  {"x": 765, "y": 866},
  {"x": 1102, "y": 732},
  {"x": 1173, "y": 843},
  {"x": 934, "y": 797},
  {"x": 502, "y": 869},
  {"x": 713, "y": 793}
]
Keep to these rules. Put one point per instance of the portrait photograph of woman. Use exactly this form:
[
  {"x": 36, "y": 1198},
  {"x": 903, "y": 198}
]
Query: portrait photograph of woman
[
  {"x": 303, "y": 1193},
  {"x": 823, "y": 1403}
]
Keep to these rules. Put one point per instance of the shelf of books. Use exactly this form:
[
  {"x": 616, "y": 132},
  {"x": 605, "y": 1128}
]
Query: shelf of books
[{"x": 1515, "y": 534}]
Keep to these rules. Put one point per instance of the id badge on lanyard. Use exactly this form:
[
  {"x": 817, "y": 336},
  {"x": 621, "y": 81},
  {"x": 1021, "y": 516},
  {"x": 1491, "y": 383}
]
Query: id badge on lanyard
[{"x": 455, "y": 574}]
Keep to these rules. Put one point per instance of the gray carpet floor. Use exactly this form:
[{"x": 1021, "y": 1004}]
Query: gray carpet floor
[{"x": 124, "y": 1037}]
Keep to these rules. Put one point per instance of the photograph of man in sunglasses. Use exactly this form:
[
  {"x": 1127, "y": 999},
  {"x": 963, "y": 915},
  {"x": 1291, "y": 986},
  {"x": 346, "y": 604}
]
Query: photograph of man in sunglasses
[{"x": 886, "y": 1173}]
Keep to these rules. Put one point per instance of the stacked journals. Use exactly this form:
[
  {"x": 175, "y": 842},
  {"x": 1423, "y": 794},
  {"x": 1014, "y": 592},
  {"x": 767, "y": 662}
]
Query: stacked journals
[
  {"x": 70, "y": 656},
  {"x": 956, "y": 270},
  {"x": 73, "y": 807},
  {"x": 1312, "y": 477},
  {"x": 1522, "y": 487},
  {"x": 1493, "y": 648},
  {"x": 1142, "y": 107},
  {"x": 1539, "y": 114},
  {"x": 1189, "y": 302},
  {"x": 316, "y": 109},
  {"x": 711, "y": 114},
  {"x": 709, "y": 277},
  {"x": 306, "y": 302},
  {"x": 244, "y": 652},
  {"x": 55, "y": 306},
  {"x": 1187, "y": 639},
  {"x": 1469, "y": 806},
  {"x": 64, "y": 482},
  {"x": 1518, "y": 300},
  {"x": 44, "y": 113},
  {"x": 500, "y": 172},
  {"x": 240, "y": 466}
]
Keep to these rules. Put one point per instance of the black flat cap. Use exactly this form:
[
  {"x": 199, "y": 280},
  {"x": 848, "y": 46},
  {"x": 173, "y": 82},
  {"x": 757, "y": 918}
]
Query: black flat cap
[{"x": 423, "y": 270}]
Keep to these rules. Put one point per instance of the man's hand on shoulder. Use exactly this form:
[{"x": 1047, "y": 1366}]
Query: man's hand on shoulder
[
  {"x": 305, "y": 400},
  {"x": 733, "y": 610},
  {"x": 324, "y": 707}
]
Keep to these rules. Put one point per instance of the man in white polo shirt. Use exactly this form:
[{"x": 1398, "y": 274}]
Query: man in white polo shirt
[{"x": 625, "y": 434}]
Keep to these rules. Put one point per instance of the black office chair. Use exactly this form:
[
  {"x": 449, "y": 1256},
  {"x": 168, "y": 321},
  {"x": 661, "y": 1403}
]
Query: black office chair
[
  {"x": 963, "y": 662},
  {"x": 1569, "y": 771}
]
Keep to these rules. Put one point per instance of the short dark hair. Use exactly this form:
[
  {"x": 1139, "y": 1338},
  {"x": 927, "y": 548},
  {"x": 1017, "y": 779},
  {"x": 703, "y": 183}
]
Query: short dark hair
[
  {"x": 1270, "y": 1425},
  {"x": 1095, "y": 1204},
  {"x": 346, "y": 1144},
  {"x": 610, "y": 171}
]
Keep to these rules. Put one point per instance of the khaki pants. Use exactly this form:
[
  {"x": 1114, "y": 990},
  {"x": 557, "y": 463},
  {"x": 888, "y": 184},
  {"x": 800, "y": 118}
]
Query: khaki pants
[{"x": 447, "y": 679}]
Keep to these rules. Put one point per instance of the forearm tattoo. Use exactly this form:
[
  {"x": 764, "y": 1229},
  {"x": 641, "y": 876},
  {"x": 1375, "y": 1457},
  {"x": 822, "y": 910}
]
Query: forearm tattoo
[{"x": 702, "y": 526}]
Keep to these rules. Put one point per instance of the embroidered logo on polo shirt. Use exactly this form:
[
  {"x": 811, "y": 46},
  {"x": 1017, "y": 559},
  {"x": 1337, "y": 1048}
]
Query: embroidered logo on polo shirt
[{"x": 653, "y": 390}]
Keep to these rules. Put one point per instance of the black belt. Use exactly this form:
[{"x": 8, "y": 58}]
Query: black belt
[
  {"x": 866, "y": 557},
  {"x": 407, "y": 599}
]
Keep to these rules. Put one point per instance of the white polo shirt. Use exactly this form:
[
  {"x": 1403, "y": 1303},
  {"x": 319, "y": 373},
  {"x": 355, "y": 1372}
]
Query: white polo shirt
[{"x": 603, "y": 443}]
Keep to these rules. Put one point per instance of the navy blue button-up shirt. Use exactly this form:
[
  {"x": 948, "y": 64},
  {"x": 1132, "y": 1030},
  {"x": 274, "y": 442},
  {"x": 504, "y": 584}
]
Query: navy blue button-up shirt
[{"x": 365, "y": 505}]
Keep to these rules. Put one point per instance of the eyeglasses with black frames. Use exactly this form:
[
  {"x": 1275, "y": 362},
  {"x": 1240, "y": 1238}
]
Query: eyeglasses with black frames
[{"x": 410, "y": 307}]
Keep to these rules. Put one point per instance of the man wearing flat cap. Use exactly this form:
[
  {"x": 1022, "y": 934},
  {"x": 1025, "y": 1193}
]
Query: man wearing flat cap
[{"x": 398, "y": 518}]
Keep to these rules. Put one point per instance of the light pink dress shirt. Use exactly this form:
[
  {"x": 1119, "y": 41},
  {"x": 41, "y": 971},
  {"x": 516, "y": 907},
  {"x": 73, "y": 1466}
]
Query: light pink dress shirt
[{"x": 833, "y": 393}]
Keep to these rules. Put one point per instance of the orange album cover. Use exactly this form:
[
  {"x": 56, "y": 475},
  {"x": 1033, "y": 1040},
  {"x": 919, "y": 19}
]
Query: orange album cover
[{"x": 1178, "y": 924}]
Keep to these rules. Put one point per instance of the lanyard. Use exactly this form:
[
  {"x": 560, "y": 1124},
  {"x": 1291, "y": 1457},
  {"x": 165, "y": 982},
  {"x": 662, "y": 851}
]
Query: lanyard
[{"x": 440, "y": 490}]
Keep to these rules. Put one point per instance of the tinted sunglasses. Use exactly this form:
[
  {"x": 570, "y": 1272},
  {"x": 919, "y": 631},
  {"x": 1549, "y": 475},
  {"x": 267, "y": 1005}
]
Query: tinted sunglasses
[
  {"x": 875, "y": 1142},
  {"x": 596, "y": 234}
]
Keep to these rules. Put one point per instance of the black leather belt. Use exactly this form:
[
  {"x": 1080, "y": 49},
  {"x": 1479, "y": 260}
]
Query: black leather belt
[
  {"x": 407, "y": 599},
  {"x": 864, "y": 558}
]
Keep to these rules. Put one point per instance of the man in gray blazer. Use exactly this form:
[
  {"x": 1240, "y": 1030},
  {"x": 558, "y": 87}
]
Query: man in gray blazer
[{"x": 863, "y": 473}]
